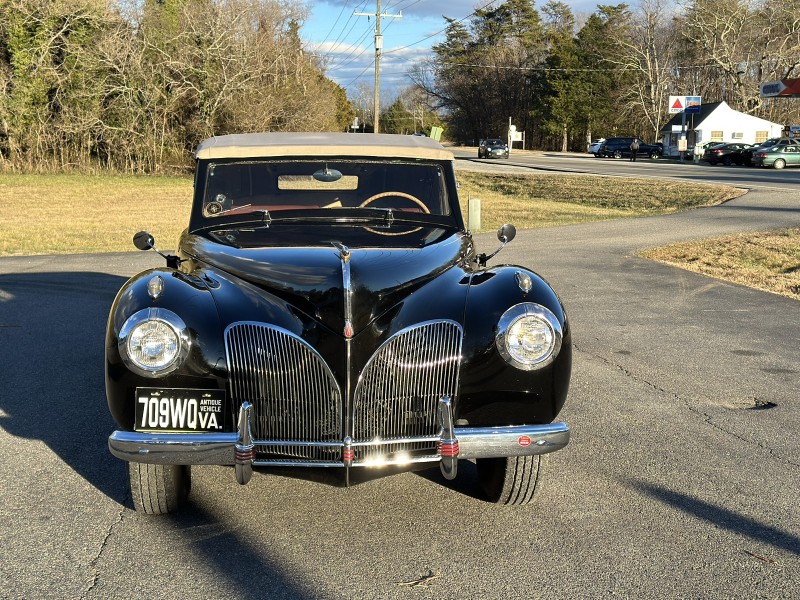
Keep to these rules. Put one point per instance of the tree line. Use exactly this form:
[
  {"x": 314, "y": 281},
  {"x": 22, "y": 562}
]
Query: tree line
[
  {"x": 563, "y": 83},
  {"x": 134, "y": 85}
]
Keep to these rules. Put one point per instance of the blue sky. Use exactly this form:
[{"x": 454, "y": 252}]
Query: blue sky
[{"x": 347, "y": 41}]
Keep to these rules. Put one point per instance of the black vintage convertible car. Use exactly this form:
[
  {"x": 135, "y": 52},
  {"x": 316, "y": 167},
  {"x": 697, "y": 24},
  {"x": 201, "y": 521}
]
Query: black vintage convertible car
[{"x": 327, "y": 308}]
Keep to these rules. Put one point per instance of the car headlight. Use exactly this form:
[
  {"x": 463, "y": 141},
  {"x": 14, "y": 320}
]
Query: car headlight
[
  {"x": 529, "y": 336},
  {"x": 154, "y": 342}
]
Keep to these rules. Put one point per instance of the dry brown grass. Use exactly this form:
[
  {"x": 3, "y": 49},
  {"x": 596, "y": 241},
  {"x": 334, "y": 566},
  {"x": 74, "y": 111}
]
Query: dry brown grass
[
  {"x": 531, "y": 201},
  {"x": 69, "y": 214},
  {"x": 768, "y": 261}
]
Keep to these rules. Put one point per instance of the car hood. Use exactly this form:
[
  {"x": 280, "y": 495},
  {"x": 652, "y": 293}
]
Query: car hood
[{"x": 353, "y": 275}]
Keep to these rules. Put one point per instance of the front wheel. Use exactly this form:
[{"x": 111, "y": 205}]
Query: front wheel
[
  {"x": 779, "y": 163},
  {"x": 618, "y": 154},
  {"x": 655, "y": 155},
  {"x": 509, "y": 480},
  {"x": 159, "y": 489}
]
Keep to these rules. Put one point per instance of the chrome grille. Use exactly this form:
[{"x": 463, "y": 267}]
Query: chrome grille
[
  {"x": 397, "y": 394},
  {"x": 294, "y": 395}
]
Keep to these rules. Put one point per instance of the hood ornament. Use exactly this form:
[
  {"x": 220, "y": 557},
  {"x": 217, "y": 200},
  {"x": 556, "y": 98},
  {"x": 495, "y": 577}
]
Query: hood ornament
[
  {"x": 347, "y": 291},
  {"x": 344, "y": 251}
]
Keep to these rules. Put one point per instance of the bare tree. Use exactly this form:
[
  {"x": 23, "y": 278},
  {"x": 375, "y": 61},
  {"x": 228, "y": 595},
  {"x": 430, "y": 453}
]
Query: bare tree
[
  {"x": 648, "y": 56},
  {"x": 746, "y": 42}
]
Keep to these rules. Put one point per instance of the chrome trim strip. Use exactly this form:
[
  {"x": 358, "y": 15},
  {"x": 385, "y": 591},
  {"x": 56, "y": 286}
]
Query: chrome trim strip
[
  {"x": 390, "y": 441},
  {"x": 347, "y": 290},
  {"x": 385, "y": 463}
]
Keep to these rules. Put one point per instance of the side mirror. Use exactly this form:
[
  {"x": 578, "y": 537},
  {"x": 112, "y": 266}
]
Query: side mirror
[
  {"x": 506, "y": 233},
  {"x": 144, "y": 241}
]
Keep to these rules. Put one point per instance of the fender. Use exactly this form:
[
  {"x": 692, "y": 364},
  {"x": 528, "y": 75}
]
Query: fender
[
  {"x": 532, "y": 397},
  {"x": 188, "y": 296}
]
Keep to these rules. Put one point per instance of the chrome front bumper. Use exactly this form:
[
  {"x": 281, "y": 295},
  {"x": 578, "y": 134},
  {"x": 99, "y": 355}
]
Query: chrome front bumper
[{"x": 453, "y": 443}]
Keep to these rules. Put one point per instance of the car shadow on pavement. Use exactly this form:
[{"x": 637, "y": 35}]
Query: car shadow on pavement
[
  {"x": 52, "y": 330},
  {"x": 721, "y": 517},
  {"x": 218, "y": 542},
  {"x": 466, "y": 482}
]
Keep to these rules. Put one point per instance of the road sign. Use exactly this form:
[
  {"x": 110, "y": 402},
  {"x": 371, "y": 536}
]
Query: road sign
[{"x": 786, "y": 88}]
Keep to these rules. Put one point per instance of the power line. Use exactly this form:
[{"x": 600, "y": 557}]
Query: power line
[
  {"x": 346, "y": 32},
  {"x": 339, "y": 16},
  {"x": 472, "y": 14}
]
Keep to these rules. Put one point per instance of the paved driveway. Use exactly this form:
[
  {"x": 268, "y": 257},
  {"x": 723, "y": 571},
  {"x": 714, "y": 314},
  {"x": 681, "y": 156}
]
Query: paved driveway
[{"x": 681, "y": 479}]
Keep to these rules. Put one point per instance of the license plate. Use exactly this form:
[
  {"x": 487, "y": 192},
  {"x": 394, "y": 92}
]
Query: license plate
[{"x": 179, "y": 410}]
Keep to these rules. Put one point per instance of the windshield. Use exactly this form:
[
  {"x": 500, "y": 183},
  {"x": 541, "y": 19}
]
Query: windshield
[{"x": 252, "y": 186}]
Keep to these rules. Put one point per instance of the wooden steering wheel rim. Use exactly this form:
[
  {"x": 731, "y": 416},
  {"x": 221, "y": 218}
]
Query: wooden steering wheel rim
[{"x": 414, "y": 199}]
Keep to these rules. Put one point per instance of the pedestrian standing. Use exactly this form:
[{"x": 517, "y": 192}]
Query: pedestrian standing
[{"x": 634, "y": 149}]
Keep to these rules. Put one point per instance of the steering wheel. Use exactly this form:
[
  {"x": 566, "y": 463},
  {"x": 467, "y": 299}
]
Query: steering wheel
[{"x": 413, "y": 199}]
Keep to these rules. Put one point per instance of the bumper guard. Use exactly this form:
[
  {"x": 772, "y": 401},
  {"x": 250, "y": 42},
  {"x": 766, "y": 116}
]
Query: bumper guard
[{"x": 453, "y": 443}]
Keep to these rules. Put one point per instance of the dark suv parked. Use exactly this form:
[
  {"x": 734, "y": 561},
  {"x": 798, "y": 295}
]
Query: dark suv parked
[{"x": 621, "y": 146}]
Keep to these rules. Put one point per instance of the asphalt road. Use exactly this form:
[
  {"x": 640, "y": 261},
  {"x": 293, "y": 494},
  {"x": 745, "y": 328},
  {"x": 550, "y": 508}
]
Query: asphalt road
[
  {"x": 681, "y": 479},
  {"x": 771, "y": 180}
]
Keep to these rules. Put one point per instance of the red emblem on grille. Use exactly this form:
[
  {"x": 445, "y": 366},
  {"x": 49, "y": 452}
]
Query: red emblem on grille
[
  {"x": 348, "y": 329},
  {"x": 524, "y": 441}
]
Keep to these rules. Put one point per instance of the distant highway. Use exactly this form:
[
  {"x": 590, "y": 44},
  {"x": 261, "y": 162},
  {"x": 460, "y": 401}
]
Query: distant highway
[{"x": 558, "y": 162}]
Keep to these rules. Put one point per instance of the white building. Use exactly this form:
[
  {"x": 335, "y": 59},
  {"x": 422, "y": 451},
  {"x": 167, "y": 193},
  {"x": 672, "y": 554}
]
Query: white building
[{"x": 717, "y": 123}]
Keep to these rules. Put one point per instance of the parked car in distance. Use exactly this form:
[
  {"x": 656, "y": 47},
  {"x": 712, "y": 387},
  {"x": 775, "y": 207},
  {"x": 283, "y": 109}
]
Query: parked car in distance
[
  {"x": 327, "y": 308},
  {"x": 726, "y": 154},
  {"x": 594, "y": 147},
  {"x": 619, "y": 147},
  {"x": 766, "y": 145},
  {"x": 778, "y": 157},
  {"x": 494, "y": 147}
]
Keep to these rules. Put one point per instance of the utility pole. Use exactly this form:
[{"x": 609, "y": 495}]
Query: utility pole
[{"x": 378, "y": 47}]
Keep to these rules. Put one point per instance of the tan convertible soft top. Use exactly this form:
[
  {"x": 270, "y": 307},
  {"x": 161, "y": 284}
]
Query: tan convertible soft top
[{"x": 257, "y": 145}]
